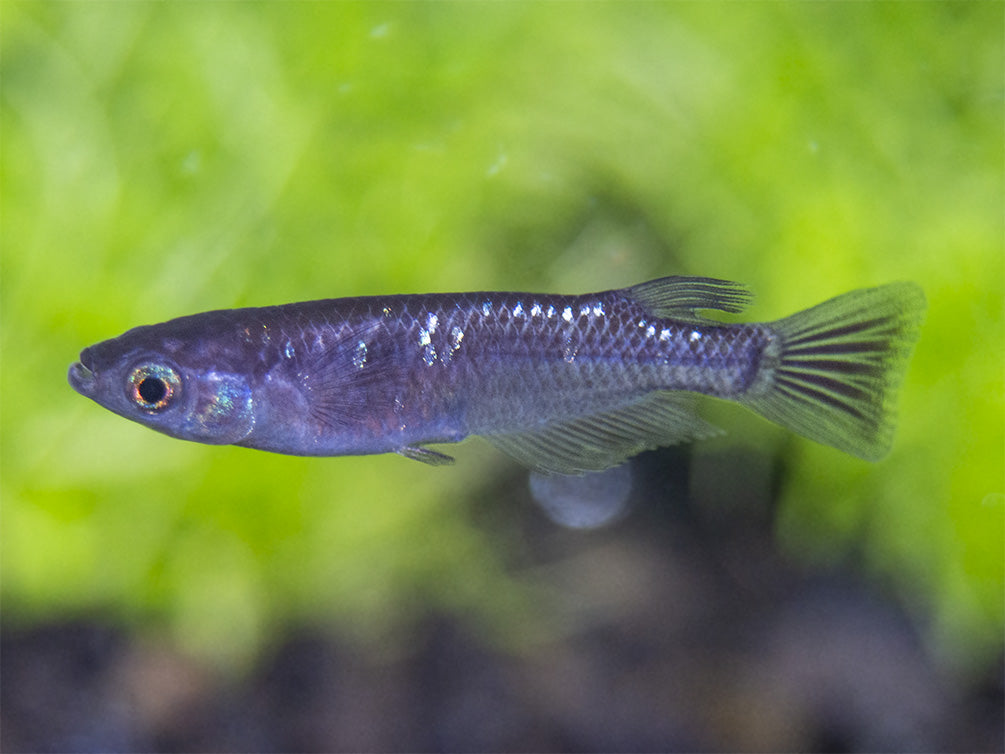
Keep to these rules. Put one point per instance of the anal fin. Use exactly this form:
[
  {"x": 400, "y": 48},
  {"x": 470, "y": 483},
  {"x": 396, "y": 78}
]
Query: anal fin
[{"x": 598, "y": 441}]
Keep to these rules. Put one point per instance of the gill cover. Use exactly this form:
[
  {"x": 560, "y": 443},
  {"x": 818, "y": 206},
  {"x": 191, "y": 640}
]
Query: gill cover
[{"x": 220, "y": 411}]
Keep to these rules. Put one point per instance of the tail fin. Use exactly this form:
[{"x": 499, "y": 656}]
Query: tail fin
[{"x": 833, "y": 372}]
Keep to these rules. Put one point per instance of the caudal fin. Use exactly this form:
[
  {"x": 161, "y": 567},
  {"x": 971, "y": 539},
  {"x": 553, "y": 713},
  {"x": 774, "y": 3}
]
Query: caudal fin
[{"x": 835, "y": 368}]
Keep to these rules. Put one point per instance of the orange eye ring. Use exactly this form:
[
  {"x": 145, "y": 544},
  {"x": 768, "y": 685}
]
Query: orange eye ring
[{"x": 153, "y": 387}]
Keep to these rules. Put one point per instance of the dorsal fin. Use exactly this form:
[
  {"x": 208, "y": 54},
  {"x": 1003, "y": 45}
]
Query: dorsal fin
[
  {"x": 683, "y": 297},
  {"x": 599, "y": 441}
]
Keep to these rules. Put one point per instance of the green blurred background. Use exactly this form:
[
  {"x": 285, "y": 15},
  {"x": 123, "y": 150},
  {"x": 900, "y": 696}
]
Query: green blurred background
[{"x": 162, "y": 159}]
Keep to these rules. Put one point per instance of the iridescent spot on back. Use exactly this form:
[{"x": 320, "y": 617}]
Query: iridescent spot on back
[
  {"x": 359, "y": 355},
  {"x": 456, "y": 336}
]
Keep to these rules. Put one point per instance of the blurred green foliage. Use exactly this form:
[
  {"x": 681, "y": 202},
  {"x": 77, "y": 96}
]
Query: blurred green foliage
[{"x": 163, "y": 159}]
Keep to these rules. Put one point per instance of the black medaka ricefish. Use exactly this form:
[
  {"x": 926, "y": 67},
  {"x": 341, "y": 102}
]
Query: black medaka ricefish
[{"x": 564, "y": 384}]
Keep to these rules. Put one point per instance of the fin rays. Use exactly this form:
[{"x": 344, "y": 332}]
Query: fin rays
[
  {"x": 839, "y": 365},
  {"x": 683, "y": 297},
  {"x": 598, "y": 441},
  {"x": 339, "y": 384}
]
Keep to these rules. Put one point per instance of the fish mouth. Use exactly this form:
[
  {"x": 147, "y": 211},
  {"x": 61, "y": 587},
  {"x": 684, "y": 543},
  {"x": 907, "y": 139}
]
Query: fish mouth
[{"x": 81, "y": 377}]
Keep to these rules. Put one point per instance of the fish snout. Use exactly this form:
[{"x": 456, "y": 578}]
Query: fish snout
[{"x": 81, "y": 378}]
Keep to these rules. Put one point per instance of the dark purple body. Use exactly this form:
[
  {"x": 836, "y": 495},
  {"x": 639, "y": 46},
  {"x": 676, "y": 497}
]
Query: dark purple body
[
  {"x": 563, "y": 383},
  {"x": 375, "y": 374}
]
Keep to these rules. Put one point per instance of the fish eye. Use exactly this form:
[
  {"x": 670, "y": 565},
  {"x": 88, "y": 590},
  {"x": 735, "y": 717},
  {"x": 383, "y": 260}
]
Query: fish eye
[{"x": 153, "y": 387}]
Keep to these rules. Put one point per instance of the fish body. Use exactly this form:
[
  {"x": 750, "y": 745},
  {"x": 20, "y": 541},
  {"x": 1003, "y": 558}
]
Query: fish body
[{"x": 564, "y": 384}]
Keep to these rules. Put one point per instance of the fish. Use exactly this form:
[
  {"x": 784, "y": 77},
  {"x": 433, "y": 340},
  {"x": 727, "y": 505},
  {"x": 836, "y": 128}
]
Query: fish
[{"x": 564, "y": 384}]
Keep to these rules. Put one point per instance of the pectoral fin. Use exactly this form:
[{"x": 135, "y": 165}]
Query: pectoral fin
[{"x": 347, "y": 381}]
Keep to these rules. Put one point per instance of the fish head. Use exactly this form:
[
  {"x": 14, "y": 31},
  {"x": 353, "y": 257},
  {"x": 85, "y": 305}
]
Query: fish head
[{"x": 182, "y": 386}]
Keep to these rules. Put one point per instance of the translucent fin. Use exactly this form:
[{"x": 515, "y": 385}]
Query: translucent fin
[
  {"x": 835, "y": 368},
  {"x": 599, "y": 441},
  {"x": 683, "y": 297},
  {"x": 419, "y": 453},
  {"x": 342, "y": 382}
]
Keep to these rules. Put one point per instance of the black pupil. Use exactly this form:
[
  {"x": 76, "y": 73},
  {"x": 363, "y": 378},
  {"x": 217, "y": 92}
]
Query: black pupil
[{"x": 152, "y": 390}]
